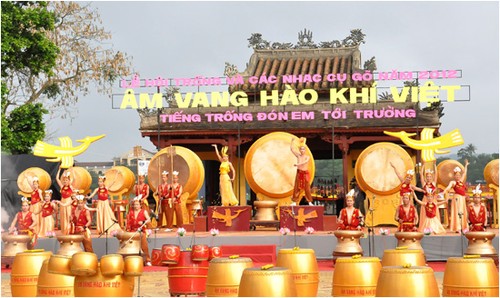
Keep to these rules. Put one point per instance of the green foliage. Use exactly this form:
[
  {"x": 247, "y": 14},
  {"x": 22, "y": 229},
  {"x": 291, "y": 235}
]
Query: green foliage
[
  {"x": 25, "y": 126},
  {"x": 25, "y": 46}
]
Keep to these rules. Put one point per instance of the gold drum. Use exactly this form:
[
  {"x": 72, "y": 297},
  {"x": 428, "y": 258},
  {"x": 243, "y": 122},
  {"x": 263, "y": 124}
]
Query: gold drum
[
  {"x": 112, "y": 265},
  {"x": 14, "y": 244},
  {"x": 445, "y": 173},
  {"x": 84, "y": 264},
  {"x": 480, "y": 243},
  {"x": 25, "y": 271},
  {"x": 348, "y": 242},
  {"x": 356, "y": 276},
  {"x": 304, "y": 268},
  {"x": 80, "y": 179},
  {"x": 133, "y": 266},
  {"x": 69, "y": 244},
  {"x": 185, "y": 161},
  {"x": 397, "y": 281},
  {"x": 98, "y": 285},
  {"x": 24, "y": 186},
  {"x": 374, "y": 172},
  {"x": 273, "y": 282},
  {"x": 129, "y": 247},
  {"x": 59, "y": 264},
  {"x": 470, "y": 277},
  {"x": 54, "y": 285},
  {"x": 491, "y": 172},
  {"x": 224, "y": 275},
  {"x": 402, "y": 257},
  {"x": 119, "y": 179},
  {"x": 268, "y": 160},
  {"x": 411, "y": 240},
  {"x": 265, "y": 210}
]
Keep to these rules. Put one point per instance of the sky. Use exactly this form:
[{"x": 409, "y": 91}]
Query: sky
[{"x": 186, "y": 39}]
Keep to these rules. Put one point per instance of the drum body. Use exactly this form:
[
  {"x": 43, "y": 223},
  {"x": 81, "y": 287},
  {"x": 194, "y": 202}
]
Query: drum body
[
  {"x": 273, "y": 282},
  {"x": 80, "y": 179},
  {"x": 396, "y": 281},
  {"x": 491, "y": 172},
  {"x": 14, "y": 244},
  {"x": 23, "y": 184},
  {"x": 187, "y": 277},
  {"x": 402, "y": 257},
  {"x": 25, "y": 271},
  {"x": 470, "y": 277},
  {"x": 304, "y": 268},
  {"x": 411, "y": 240},
  {"x": 445, "y": 173},
  {"x": 355, "y": 277},
  {"x": 119, "y": 179},
  {"x": 54, "y": 285},
  {"x": 98, "y": 285},
  {"x": 69, "y": 244},
  {"x": 130, "y": 243},
  {"x": 224, "y": 275}
]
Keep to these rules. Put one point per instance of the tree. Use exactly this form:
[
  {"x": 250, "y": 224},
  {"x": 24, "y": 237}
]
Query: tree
[
  {"x": 468, "y": 152},
  {"x": 84, "y": 57}
]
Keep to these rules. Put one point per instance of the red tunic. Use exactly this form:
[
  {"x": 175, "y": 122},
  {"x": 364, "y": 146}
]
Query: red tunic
[
  {"x": 175, "y": 193},
  {"x": 102, "y": 194},
  {"x": 404, "y": 189},
  {"x": 408, "y": 224},
  {"x": 133, "y": 222},
  {"x": 141, "y": 190},
  {"x": 47, "y": 209},
  {"x": 429, "y": 186},
  {"x": 23, "y": 224},
  {"x": 430, "y": 209},
  {"x": 66, "y": 192},
  {"x": 477, "y": 220},
  {"x": 35, "y": 197},
  {"x": 81, "y": 220},
  {"x": 354, "y": 220},
  {"x": 459, "y": 188},
  {"x": 163, "y": 190}
]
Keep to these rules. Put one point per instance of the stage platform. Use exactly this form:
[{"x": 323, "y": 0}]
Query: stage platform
[{"x": 436, "y": 248}]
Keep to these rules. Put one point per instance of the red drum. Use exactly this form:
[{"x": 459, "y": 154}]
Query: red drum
[
  {"x": 156, "y": 257},
  {"x": 187, "y": 277},
  {"x": 214, "y": 252},
  {"x": 199, "y": 252},
  {"x": 170, "y": 254}
]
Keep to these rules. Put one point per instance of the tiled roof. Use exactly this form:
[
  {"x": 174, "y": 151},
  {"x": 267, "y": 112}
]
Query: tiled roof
[{"x": 321, "y": 61}]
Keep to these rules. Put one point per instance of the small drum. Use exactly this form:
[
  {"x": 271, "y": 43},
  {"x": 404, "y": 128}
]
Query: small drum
[
  {"x": 134, "y": 266},
  {"x": 130, "y": 243},
  {"x": 409, "y": 239},
  {"x": 199, "y": 252},
  {"x": 84, "y": 264},
  {"x": 69, "y": 244},
  {"x": 112, "y": 265},
  {"x": 156, "y": 257},
  {"x": 59, "y": 264},
  {"x": 14, "y": 244},
  {"x": 214, "y": 252},
  {"x": 170, "y": 254}
]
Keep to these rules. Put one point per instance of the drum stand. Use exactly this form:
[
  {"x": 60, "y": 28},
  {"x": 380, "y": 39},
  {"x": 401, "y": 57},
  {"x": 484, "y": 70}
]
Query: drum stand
[
  {"x": 106, "y": 232},
  {"x": 461, "y": 232},
  {"x": 193, "y": 241},
  {"x": 371, "y": 235},
  {"x": 139, "y": 230},
  {"x": 294, "y": 229}
]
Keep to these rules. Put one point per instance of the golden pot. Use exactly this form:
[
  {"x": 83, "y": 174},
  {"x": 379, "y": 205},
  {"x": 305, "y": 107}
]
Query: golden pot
[
  {"x": 304, "y": 268},
  {"x": 69, "y": 244},
  {"x": 411, "y": 240},
  {"x": 129, "y": 247},
  {"x": 402, "y": 257},
  {"x": 112, "y": 265},
  {"x": 224, "y": 275},
  {"x": 99, "y": 285},
  {"x": 25, "y": 271},
  {"x": 265, "y": 210},
  {"x": 356, "y": 276},
  {"x": 480, "y": 243},
  {"x": 348, "y": 242},
  {"x": 84, "y": 264},
  {"x": 134, "y": 266},
  {"x": 59, "y": 264},
  {"x": 273, "y": 282},
  {"x": 54, "y": 285},
  {"x": 14, "y": 244},
  {"x": 470, "y": 277},
  {"x": 397, "y": 281}
]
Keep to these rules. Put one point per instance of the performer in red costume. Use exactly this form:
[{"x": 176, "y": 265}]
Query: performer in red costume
[
  {"x": 81, "y": 220},
  {"x": 163, "y": 193},
  {"x": 66, "y": 192},
  {"x": 406, "y": 215},
  {"x": 36, "y": 201},
  {"x": 25, "y": 221},
  {"x": 142, "y": 188},
  {"x": 302, "y": 179},
  {"x": 105, "y": 216},
  {"x": 431, "y": 221},
  {"x": 138, "y": 218},
  {"x": 458, "y": 220},
  {"x": 350, "y": 217},
  {"x": 175, "y": 197},
  {"x": 47, "y": 223},
  {"x": 477, "y": 212},
  {"x": 406, "y": 185},
  {"x": 429, "y": 185}
]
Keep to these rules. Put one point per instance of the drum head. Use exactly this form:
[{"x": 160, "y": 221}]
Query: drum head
[{"x": 445, "y": 171}]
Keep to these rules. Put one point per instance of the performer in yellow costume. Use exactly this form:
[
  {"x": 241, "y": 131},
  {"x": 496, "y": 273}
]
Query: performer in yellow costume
[{"x": 227, "y": 195}]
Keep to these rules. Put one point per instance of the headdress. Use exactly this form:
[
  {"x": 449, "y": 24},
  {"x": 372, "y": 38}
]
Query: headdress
[
  {"x": 80, "y": 198},
  {"x": 406, "y": 194},
  {"x": 164, "y": 173},
  {"x": 457, "y": 170},
  {"x": 350, "y": 194},
  {"x": 223, "y": 151},
  {"x": 477, "y": 191},
  {"x": 410, "y": 173},
  {"x": 429, "y": 171},
  {"x": 138, "y": 198},
  {"x": 76, "y": 191},
  {"x": 103, "y": 177},
  {"x": 67, "y": 174},
  {"x": 35, "y": 178},
  {"x": 49, "y": 191},
  {"x": 175, "y": 173},
  {"x": 25, "y": 199}
]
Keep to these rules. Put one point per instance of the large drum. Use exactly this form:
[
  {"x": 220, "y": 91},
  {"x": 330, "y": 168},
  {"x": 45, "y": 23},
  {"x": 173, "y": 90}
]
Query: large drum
[
  {"x": 187, "y": 277},
  {"x": 130, "y": 243},
  {"x": 14, "y": 244},
  {"x": 25, "y": 271},
  {"x": 347, "y": 243},
  {"x": 269, "y": 165},
  {"x": 471, "y": 277},
  {"x": 119, "y": 179},
  {"x": 273, "y": 282},
  {"x": 373, "y": 170},
  {"x": 224, "y": 275},
  {"x": 98, "y": 285},
  {"x": 397, "y": 281},
  {"x": 304, "y": 268},
  {"x": 411, "y": 240},
  {"x": 80, "y": 179},
  {"x": 491, "y": 172},
  {"x": 69, "y": 244},
  {"x": 54, "y": 285},
  {"x": 402, "y": 257},
  {"x": 355, "y": 277},
  {"x": 445, "y": 173},
  {"x": 23, "y": 184}
]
